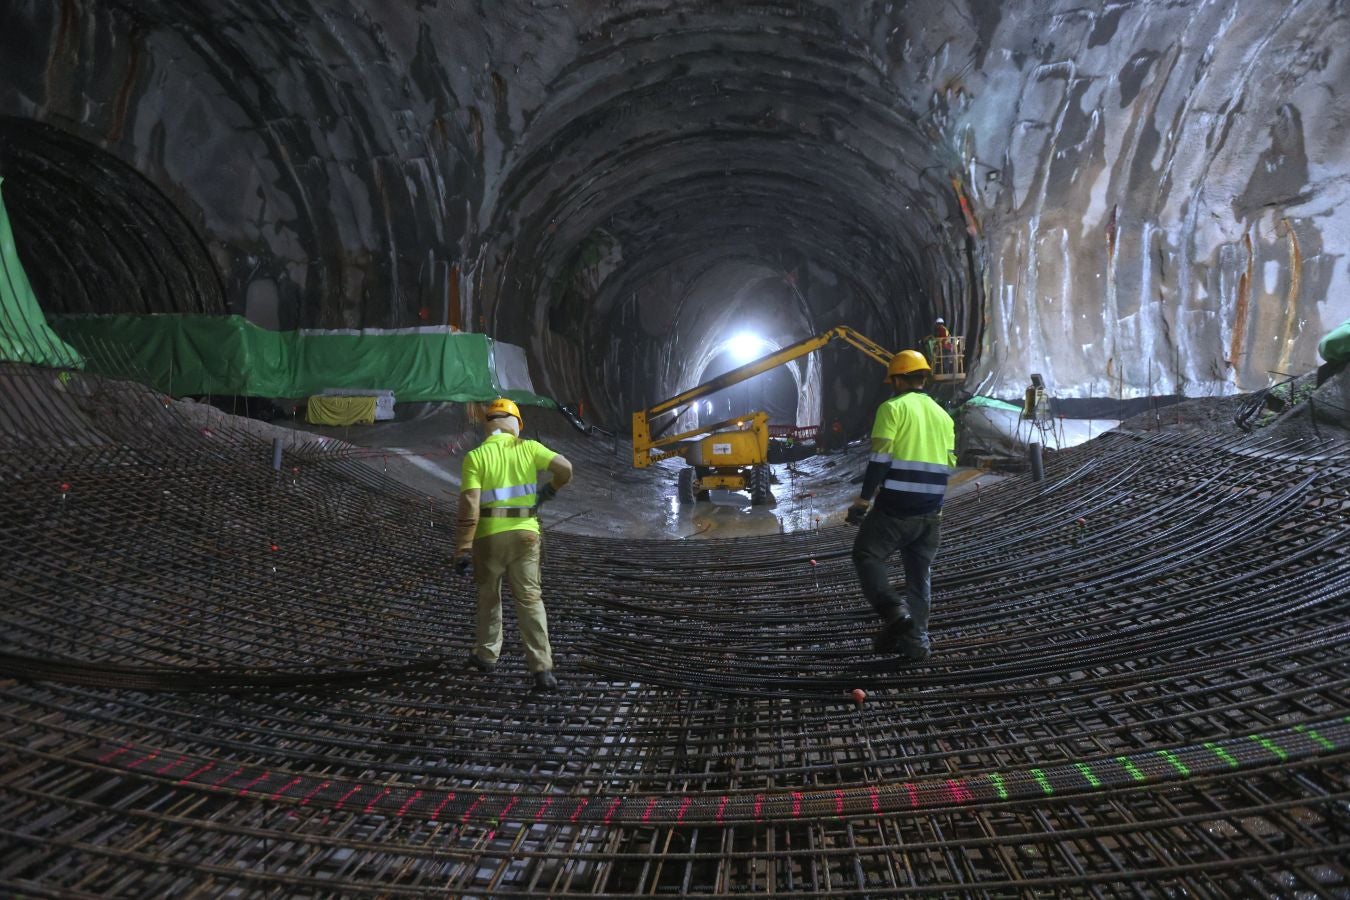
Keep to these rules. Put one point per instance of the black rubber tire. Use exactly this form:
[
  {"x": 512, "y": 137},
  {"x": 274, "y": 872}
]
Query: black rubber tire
[
  {"x": 685, "y": 493},
  {"x": 760, "y": 477}
]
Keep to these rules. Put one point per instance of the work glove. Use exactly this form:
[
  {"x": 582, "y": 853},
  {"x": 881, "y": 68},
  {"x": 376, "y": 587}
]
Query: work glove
[
  {"x": 547, "y": 493},
  {"x": 857, "y": 511},
  {"x": 461, "y": 562}
]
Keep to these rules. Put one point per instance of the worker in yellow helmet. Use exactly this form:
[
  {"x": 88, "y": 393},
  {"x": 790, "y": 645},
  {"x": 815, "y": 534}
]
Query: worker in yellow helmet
[
  {"x": 498, "y": 531},
  {"x": 913, "y": 453}
]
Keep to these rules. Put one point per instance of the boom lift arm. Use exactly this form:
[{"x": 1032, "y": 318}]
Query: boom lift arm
[{"x": 644, "y": 442}]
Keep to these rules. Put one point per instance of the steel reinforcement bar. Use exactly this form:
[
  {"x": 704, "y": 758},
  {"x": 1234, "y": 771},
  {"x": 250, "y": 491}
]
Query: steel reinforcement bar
[{"x": 222, "y": 678}]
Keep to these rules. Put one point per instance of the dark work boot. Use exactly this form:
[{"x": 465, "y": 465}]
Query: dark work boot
[
  {"x": 887, "y": 639},
  {"x": 481, "y": 666},
  {"x": 906, "y": 659},
  {"x": 544, "y": 682}
]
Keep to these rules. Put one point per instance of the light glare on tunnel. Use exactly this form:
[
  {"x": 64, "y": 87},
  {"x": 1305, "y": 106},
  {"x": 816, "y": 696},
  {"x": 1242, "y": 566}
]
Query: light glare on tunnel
[{"x": 746, "y": 346}]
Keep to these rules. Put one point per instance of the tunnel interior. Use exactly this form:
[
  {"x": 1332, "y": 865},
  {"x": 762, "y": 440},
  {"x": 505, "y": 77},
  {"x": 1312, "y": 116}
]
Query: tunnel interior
[
  {"x": 233, "y": 655},
  {"x": 1112, "y": 197}
]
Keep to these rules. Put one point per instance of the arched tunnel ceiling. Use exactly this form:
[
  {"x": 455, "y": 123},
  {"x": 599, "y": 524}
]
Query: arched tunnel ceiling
[{"x": 1131, "y": 198}]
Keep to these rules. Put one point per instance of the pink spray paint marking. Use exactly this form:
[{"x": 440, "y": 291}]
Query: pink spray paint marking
[
  {"x": 684, "y": 806},
  {"x": 647, "y": 813},
  {"x": 371, "y": 804},
  {"x": 143, "y": 759},
  {"x": 609, "y": 813},
  {"x": 343, "y": 801},
  {"x": 472, "y": 806},
  {"x": 246, "y": 788},
  {"x": 722, "y": 808},
  {"x": 286, "y": 787},
  {"x": 436, "y": 813},
  {"x": 230, "y": 777},
  {"x": 191, "y": 775},
  {"x": 310, "y": 796},
  {"x": 107, "y": 758},
  {"x": 403, "y": 810},
  {"x": 796, "y": 804},
  {"x": 577, "y": 812},
  {"x": 166, "y": 769}
]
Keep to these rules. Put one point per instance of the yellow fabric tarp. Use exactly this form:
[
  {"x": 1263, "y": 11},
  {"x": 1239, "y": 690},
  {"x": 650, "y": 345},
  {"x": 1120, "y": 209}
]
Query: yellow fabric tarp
[{"x": 340, "y": 410}]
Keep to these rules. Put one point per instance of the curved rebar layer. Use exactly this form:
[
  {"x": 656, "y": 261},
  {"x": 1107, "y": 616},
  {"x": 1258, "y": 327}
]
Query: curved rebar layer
[{"x": 226, "y": 679}]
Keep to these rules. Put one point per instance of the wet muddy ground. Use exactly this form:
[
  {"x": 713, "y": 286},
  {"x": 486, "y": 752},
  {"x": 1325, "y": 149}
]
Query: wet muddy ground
[{"x": 608, "y": 496}]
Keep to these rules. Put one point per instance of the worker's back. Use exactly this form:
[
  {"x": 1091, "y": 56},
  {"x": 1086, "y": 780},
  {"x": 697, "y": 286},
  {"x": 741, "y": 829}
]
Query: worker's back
[
  {"x": 505, "y": 468},
  {"x": 919, "y": 438}
]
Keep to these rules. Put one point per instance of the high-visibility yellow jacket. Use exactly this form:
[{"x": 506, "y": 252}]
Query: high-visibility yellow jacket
[
  {"x": 916, "y": 438},
  {"x": 505, "y": 469}
]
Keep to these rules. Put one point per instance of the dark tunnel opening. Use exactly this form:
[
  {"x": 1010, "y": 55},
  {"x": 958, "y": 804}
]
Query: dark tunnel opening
[{"x": 95, "y": 234}]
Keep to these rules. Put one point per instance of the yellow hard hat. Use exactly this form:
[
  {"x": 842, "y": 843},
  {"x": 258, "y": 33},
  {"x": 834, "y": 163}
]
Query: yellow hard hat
[
  {"x": 502, "y": 407},
  {"x": 907, "y": 361}
]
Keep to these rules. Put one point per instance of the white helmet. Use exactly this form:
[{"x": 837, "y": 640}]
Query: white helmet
[{"x": 940, "y": 321}]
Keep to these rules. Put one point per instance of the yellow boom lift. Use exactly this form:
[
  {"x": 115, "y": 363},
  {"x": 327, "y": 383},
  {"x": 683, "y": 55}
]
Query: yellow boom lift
[{"x": 732, "y": 454}]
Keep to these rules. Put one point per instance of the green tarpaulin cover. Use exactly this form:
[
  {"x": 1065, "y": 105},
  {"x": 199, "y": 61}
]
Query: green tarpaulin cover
[
  {"x": 1335, "y": 347},
  {"x": 228, "y": 355},
  {"x": 24, "y": 334},
  {"x": 992, "y": 403}
]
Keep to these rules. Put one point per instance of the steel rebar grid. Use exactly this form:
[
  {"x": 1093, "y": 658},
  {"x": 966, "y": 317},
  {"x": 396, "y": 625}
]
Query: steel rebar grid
[{"x": 225, "y": 679}]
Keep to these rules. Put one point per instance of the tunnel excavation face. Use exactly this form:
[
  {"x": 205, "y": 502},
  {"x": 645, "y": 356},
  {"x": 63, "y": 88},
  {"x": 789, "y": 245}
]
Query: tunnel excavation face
[{"x": 248, "y": 680}]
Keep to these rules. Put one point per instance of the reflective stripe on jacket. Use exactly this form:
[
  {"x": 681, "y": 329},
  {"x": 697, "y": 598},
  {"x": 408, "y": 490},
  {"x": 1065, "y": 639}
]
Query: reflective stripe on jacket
[
  {"x": 918, "y": 439},
  {"x": 505, "y": 469}
]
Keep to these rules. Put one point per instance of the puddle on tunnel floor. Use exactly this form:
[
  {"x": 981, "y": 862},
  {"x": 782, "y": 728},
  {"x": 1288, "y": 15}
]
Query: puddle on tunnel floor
[{"x": 608, "y": 496}]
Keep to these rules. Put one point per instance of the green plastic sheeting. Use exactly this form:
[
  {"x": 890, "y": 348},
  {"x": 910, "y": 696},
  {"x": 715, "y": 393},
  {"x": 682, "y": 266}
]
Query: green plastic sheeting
[
  {"x": 24, "y": 334},
  {"x": 228, "y": 355},
  {"x": 1335, "y": 347},
  {"x": 992, "y": 403}
]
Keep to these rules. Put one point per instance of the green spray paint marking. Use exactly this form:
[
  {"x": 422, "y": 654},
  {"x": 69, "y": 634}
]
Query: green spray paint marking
[
  {"x": 997, "y": 780},
  {"x": 1176, "y": 763},
  {"x": 1087, "y": 773},
  {"x": 1044, "y": 782},
  {"x": 1130, "y": 767},
  {"x": 1304, "y": 729},
  {"x": 1271, "y": 746},
  {"x": 1221, "y": 754}
]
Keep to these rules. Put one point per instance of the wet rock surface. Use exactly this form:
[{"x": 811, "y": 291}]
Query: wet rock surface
[{"x": 1135, "y": 199}]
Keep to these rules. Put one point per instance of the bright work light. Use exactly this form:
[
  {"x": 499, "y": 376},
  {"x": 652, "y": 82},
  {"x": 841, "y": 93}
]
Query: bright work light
[{"x": 746, "y": 346}]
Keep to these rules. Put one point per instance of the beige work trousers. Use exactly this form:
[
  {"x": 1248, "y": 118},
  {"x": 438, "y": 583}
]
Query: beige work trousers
[{"x": 514, "y": 554}]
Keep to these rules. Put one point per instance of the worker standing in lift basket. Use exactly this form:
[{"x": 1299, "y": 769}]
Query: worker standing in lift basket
[
  {"x": 498, "y": 532},
  {"x": 913, "y": 441}
]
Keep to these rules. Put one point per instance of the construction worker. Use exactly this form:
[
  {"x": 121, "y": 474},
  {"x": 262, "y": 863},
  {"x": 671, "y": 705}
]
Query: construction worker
[
  {"x": 940, "y": 346},
  {"x": 913, "y": 441},
  {"x": 498, "y": 532},
  {"x": 943, "y": 336}
]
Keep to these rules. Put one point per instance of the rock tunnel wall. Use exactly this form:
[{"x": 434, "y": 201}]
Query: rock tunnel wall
[
  {"x": 1162, "y": 190},
  {"x": 1131, "y": 198}
]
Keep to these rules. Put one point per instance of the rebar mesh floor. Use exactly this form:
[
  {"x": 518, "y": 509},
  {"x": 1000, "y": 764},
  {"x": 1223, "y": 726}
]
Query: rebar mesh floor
[{"x": 223, "y": 680}]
